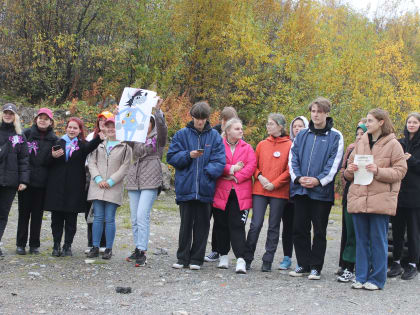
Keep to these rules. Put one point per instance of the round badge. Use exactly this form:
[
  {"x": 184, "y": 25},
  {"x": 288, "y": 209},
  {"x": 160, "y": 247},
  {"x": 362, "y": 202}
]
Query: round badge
[{"x": 276, "y": 154}]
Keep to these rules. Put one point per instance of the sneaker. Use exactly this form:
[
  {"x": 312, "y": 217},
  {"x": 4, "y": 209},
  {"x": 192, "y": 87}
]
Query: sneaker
[
  {"x": 66, "y": 251},
  {"x": 20, "y": 250},
  {"x": 87, "y": 250},
  {"x": 346, "y": 276},
  {"x": 286, "y": 263},
  {"x": 248, "y": 265},
  {"x": 409, "y": 273},
  {"x": 195, "y": 267},
  {"x": 107, "y": 254},
  {"x": 299, "y": 272},
  {"x": 223, "y": 262},
  {"x": 213, "y": 256},
  {"x": 134, "y": 255},
  {"x": 240, "y": 266},
  {"x": 56, "y": 250},
  {"x": 178, "y": 265},
  {"x": 339, "y": 272},
  {"x": 395, "y": 270},
  {"x": 102, "y": 249},
  {"x": 357, "y": 285},
  {"x": 266, "y": 266},
  {"x": 315, "y": 275},
  {"x": 34, "y": 250},
  {"x": 94, "y": 252},
  {"x": 141, "y": 259},
  {"x": 370, "y": 286}
]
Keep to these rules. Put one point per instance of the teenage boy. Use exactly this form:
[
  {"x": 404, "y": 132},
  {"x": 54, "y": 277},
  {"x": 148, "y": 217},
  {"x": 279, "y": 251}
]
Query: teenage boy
[
  {"x": 314, "y": 160},
  {"x": 198, "y": 155}
]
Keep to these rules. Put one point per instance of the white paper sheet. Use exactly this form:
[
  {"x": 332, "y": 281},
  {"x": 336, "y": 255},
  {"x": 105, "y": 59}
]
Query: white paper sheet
[
  {"x": 134, "y": 110},
  {"x": 362, "y": 176}
]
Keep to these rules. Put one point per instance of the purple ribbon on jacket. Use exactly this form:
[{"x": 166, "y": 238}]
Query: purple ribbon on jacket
[
  {"x": 152, "y": 142},
  {"x": 33, "y": 146},
  {"x": 73, "y": 147},
  {"x": 15, "y": 140}
]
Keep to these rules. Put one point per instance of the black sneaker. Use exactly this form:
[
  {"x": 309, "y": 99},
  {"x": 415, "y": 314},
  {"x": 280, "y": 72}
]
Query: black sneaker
[
  {"x": 141, "y": 260},
  {"x": 213, "y": 256},
  {"x": 266, "y": 266},
  {"x": 94, "y": 252},
  {"x": 34, "y": 250},
  {"x": 107, "y": 253},
  {"x": 299, "y": 271},
  {"x": 395, "y": 270},
  {"x": 410, "y": 272},
  {"x": 66, "y": 251},
  {"x": 315, "y": 275},
  {"x": 248, "y": 265},
  {"x": 20, "y": 250},
  {"x": 134, "y": 255},
  {"x": 56, "y": 250}
]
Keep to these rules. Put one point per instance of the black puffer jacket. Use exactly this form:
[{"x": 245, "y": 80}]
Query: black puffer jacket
[
  {"x": 409, "y": 196},
  {"x": 14, "y": 159},
  {"x": 39, "y": 154}
]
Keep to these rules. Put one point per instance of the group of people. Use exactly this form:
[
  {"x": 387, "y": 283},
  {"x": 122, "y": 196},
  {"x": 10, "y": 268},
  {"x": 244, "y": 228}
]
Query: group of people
[
  {"x": 77, "y": 174},
  {"x": 222, "y": 176},
  {"x": 218, "y": 174}
]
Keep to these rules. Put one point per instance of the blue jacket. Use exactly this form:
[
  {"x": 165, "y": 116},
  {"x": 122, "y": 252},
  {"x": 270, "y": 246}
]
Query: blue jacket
[
  {"x": 195, "y": 179},
  {"x": 316, "y": 153}
]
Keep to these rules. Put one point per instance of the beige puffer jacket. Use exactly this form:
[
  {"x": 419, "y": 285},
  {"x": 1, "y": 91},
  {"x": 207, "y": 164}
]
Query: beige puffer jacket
[
  {"x": 380, "y": 196},
  {"x": 146, "y": 171},
  {"x": 114, "y": 166}
]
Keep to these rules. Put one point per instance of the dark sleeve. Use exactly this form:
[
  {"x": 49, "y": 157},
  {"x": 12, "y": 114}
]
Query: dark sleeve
[
  {"x": 178, "y": 155},
  {"x": 23, "y": 162},
  {"x": 162, "y": 131},
  {"x": 91, "y": 145}
]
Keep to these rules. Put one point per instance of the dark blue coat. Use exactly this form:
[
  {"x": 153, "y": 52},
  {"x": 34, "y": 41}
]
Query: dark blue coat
[
  {"x": 195, "y": 179},
  {"x": 316, "y": 153}
]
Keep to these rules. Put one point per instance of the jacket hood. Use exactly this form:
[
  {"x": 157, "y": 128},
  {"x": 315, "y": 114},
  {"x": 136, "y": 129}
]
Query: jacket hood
[
  {"x": 278, "y": 139},
  {"x": 206, "y": 128},
  {"x": 305, "y": 123},
  {"x": 328, "y": 126},
  {"x": 154, "y": 130}
]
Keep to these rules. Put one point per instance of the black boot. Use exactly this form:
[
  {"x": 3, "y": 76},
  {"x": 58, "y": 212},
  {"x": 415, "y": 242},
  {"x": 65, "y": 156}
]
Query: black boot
[
  {"x": 395, "y": 270},
  {"x": 410, "y": 272},
  {"x": 266, "y": 266},
  {"x": 94, "y": 252},
  {"x": 56, "y": 250},
  {"x": 34, "y": 250},
  {"x": 20, "y": 250},
  {"x": 67, "y": 250}
]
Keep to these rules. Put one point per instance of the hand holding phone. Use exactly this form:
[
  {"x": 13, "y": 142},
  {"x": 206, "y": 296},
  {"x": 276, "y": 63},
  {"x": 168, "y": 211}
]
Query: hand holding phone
[
  {"x": 56, "y": 147},
  {"x": 196, "y": 153}
]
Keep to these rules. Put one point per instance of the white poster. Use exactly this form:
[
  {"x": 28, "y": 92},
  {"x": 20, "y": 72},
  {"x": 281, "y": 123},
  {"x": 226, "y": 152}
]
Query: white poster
[
  {"x": 362, "y": 176},
  {"x": 134, "y": 110}
]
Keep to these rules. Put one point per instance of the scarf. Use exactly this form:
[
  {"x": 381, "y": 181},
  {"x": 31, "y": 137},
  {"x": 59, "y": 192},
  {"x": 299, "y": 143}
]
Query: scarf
[{"x": 71, "y": 146}]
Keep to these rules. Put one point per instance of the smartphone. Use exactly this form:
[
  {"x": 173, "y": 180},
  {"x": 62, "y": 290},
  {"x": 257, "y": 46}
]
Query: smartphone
[
  {"x": 200, "y": 150},
  {"x": 56, "y": 147}
]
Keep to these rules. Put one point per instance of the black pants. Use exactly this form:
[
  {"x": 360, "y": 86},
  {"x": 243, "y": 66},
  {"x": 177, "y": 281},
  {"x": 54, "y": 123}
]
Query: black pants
[
  {"x": 214, "y": 234},
  {"x": 309, "y": 211},
  {"x": 259, "y": 207},
  {"x": 31, "y": 202},
  {"x": 341, "y": 262},
  {"x": 7, "y": 195},
  {"x": 193, "y": 232},
  {"x": 406, "y": 218},
  {"x": 230, "y": 227},
  {"x": 89, "y": 228},
  {"x": 63, "y": 221},
  {"x": 287, "y": 234}
]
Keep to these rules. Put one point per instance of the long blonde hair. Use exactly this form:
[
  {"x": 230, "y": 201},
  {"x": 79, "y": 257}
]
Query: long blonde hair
[{"x": 16, "y": 123}]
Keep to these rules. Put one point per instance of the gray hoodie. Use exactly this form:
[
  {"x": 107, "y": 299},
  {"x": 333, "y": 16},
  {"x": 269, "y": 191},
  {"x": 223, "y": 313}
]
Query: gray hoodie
[{"x": 305, "y": 122}]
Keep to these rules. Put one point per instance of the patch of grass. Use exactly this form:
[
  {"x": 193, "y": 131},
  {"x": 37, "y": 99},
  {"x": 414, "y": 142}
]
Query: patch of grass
[{"x": 99, "y": 262}]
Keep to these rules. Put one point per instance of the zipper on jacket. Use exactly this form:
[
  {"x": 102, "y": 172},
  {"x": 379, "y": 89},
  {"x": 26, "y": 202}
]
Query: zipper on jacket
[
  {"x": 196, "y": 177},
  {"x": 310, "y": 158}
]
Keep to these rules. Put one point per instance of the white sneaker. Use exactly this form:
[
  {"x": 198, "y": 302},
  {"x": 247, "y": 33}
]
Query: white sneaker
[
  {"x": 177, "y": 266},
  {"x": 223, "y": 262},
  {"x": 370, "y": 286},
  {"x": 240, "y": 266},
  {"x": 87, "y": 250},
  {"x": 357, "y": 285},
  {"x": 346, "y": 276},
  {"x": 102, "y": 249},
  {"x": 195, "y": 267}
]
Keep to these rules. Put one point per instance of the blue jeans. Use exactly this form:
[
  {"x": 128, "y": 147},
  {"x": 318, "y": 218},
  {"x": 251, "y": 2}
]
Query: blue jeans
[
  {"x": 103, "y": 212},
  {"x": 371, "y": 247},
  {"x": 141, "y": 202}
]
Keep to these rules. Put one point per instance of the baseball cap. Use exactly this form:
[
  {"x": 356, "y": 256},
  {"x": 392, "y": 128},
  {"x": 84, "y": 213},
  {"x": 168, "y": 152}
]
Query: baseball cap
[
  {"x": 106, "y": 114},
  {"x": 46, "y": 111},
  {"x": 11, "y": 107},
  {"x": 111, "y": 119}
]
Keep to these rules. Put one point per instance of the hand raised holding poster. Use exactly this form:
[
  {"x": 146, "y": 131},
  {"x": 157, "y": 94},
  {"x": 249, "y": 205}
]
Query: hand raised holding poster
[
  {"x": 362, "y": 176},
  {"x": 134, "y": 110}
]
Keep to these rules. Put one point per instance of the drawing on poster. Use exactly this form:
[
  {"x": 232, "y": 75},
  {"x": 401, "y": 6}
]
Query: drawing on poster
[{"x": 134, "y": 113}]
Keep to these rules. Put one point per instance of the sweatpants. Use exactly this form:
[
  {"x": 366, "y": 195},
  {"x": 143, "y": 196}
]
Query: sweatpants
[
  {"x": 406, "y": 218},
  {"x": 31, "y": 202},
  {"x": 7, "y": 194},
  {"x": 63, "y": 222},
  {"x": 309, "y": 211},
  {"x": 287, "y": 233},
  {"x": 193, "y": 232},
  {"x": 259, "y": 207},
  {"x": 230, "y": 227}
]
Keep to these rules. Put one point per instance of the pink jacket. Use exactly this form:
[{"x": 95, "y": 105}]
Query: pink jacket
[{"x": 243, "y": 183}]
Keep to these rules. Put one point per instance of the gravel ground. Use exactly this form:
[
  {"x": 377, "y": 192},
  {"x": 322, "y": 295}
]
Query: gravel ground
[{"x": 45, "y": 285}]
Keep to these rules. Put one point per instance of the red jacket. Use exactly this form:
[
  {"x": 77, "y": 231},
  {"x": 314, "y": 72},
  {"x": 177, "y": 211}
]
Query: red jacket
[
  {"x": 272, "y": 162},
  {"x": 243, "y": 186}
]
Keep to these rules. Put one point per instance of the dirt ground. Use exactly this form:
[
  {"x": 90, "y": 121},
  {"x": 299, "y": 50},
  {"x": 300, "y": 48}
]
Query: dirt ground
[{"x": 47, "y": 285}]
